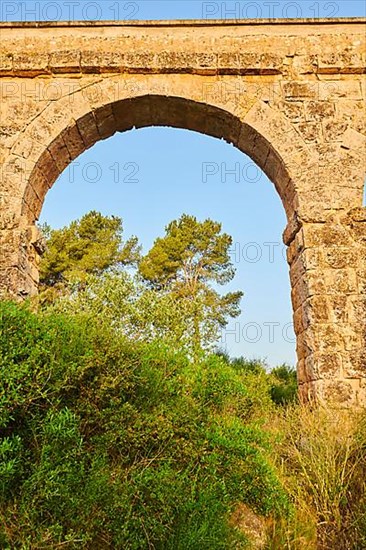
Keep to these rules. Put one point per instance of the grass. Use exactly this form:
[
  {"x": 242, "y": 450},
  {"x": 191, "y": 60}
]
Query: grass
[{"x": 321, "y": 457}]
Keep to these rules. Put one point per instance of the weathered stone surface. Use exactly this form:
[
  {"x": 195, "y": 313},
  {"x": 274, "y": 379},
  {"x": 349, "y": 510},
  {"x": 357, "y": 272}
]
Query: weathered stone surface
[
  {"x": 319, "y": 110},
  {"x": 290, "y": 94}
]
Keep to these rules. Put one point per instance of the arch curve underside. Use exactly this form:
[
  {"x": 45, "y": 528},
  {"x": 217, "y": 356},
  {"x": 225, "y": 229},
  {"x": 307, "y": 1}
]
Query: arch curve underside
[{"x": 104, "y": 121}]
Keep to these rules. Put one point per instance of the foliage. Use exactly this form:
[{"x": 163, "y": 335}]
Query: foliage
[
  {"x": 253, "y": 366},
  {"x": 184, "y": 263},
  {"x": 172, "y": 298},
  {"x": 281, "y": 382},
  {"x": 122, "y": 302},
  {"x": 323, "y": 458},
  {"x": 111, "y": 436},
  {"x": 284, "y": 385},
  {"x": 90, "y": 245},
  {"x": 106, "y": 442}
]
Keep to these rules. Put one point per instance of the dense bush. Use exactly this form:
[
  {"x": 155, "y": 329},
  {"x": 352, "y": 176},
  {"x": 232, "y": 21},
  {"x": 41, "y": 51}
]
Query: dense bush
[
  {"x": 108, "y": 443},
  {"x": 111, "y": 443},
  {"x": 284, "y": 385}
]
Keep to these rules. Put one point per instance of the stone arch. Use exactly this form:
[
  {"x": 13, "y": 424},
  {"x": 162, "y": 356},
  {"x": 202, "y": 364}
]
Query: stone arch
[
  {"x": 326, "y": 293},
  {"x": 73, "y": 123}
]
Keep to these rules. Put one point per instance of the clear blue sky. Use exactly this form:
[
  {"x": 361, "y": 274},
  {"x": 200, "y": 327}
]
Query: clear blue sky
[
  {"x": 12, "y": 10},
  {"x": 151, "y": 176}
]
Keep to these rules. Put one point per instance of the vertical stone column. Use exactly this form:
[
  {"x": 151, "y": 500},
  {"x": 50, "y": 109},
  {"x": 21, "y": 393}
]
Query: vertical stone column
[
  {"x": 17, "y": 276},
  {"x": 328, "y": 278},
  {"x": 20, "y": 249}
]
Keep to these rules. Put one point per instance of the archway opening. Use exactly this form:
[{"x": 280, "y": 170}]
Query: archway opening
[
  {"x": 153, "y": 175},
  {"x": 73, "y": 125}
]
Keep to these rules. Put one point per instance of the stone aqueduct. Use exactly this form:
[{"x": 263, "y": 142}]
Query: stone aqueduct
[{"x": 288, "y": 93}]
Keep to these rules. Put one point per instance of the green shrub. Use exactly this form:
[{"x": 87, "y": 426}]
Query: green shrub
[
  {"x": 283, "y": 385},
  {"x": 109, "y": 443}
]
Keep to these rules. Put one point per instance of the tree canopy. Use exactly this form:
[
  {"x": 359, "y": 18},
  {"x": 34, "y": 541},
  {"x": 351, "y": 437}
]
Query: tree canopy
[
  {"x": 190, "y": 254},
  {"x": 172, "y": 295},
  {"x": 87, "y": 246},
  {"x": 186, "y": 262}
]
